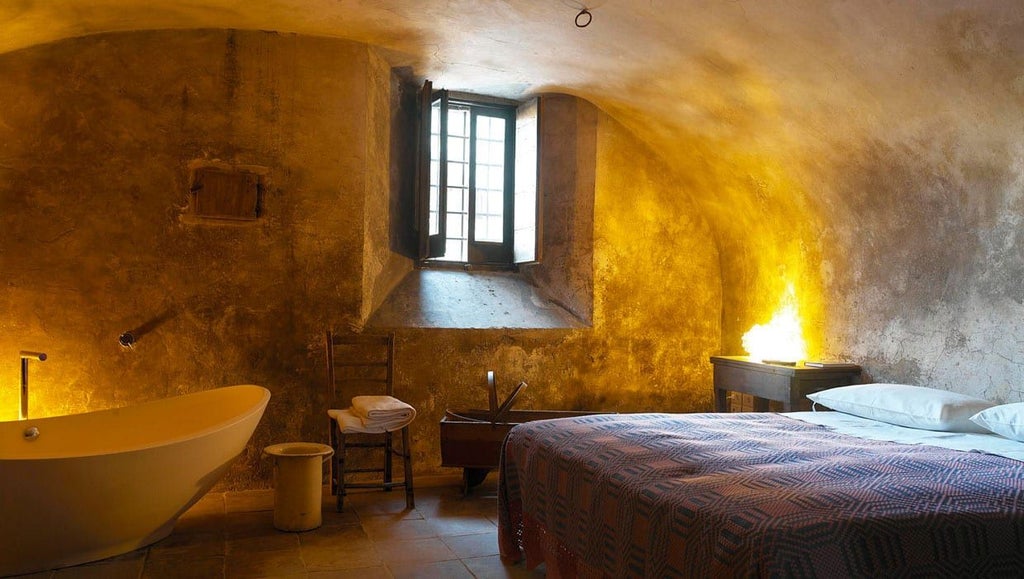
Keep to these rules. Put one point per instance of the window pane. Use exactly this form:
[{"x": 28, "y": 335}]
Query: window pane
[
  {"x": 457, "y": 175},
  {"x": 495, "y": 200},
  {"x": 489, "y": 213},
  {"x": 481, "y": 152},
  {"x": 483, "y": 205},
  {"x": 457, "y": 199},
  {"x": 492, "y": 127},
  {"x": 495, "y": 224},
  {"x": 457, "y": 149},
  {"x": 455, "y": 250},
  {"x": 456, "y": 240},
  {"x": 454, "y": 226},
  {"x": 488, "y": 228},
  {"x": 458, "y": 122},
  {"x": 490, "y": 179}
]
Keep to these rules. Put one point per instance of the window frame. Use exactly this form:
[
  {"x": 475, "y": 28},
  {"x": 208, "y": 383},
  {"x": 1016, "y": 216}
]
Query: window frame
[{"x": 478, "y": 252}]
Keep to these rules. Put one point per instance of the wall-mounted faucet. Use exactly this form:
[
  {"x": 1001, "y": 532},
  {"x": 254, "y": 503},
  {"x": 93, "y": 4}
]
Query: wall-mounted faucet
[
  {"x": 25, "y": 357},
  {"x": 127, "y": 340}
]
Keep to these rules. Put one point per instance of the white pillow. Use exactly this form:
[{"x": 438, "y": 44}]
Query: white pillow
[
  {"x": 913, "y": 406},
  {"x": 1005, "y": 420}
]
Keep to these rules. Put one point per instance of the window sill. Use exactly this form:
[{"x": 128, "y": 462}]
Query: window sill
[{"x": 475, "y": 299}]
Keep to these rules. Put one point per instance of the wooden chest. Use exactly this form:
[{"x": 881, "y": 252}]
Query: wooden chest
[{"x": 471, "y": 441}]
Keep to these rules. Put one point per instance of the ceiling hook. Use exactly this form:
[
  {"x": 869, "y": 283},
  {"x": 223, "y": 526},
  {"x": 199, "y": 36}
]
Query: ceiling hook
[{"x": 583, "y": 18}]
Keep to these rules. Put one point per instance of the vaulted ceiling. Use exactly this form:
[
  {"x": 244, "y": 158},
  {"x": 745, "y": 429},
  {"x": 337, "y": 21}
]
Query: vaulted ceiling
[{"x": 776, "y": 75}]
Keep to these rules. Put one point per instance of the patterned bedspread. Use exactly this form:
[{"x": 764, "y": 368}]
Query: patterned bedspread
[{"x": 742, "y": 495}]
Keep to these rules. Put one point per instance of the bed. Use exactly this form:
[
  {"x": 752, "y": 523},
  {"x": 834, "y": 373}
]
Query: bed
[{"x": 805, "y": 494}]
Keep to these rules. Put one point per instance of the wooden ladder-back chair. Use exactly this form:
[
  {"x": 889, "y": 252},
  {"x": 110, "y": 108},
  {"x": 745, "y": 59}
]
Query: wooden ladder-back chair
[{"x": 362, "y": 364}]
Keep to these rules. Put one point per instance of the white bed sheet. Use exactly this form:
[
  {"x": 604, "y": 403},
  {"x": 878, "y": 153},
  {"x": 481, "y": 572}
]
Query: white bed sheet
[{"x": 875, "y": 430}]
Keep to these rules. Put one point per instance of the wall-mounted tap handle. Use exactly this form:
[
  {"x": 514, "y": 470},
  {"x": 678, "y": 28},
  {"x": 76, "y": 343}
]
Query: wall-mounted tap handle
[
  {"x": 27, "y": 355},
  {"x": 127, "y": 340}
]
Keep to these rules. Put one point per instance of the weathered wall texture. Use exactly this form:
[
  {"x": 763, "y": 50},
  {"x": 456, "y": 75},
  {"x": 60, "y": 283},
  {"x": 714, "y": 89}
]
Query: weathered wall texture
[
  {"x": 95, "y": 138},
  {"x": 568, "y": 169},
  {"x": 656, "y": 321},
  {"x": 888, "y": 190},
  {"x": 930, "y": 282},
  {"x": 382, "y": 267},
  {"x": 867, "y": 152},
  {"x": 96, "y": 135}
]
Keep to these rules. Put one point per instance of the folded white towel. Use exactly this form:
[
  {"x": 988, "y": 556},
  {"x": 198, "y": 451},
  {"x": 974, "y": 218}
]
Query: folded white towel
[
  {"x": 351, "y": 423},
  {"x": 376, "y": 408}
]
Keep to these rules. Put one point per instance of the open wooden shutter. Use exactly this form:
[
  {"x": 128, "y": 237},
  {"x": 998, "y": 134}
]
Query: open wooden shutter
[
  {"x": 423, "y": 170},
  {"x": 431, "y": 189},
  {"x": 527, "y": 218},
  {"x": 438, "y": 191}
]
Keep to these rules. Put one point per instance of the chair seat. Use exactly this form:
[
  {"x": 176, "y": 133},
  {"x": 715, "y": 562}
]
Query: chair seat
[{"x": 351, "y": 423}]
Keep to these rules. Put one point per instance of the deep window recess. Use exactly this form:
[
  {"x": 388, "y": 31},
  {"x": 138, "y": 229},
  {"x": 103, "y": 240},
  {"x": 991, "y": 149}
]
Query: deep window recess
[{"x": 478, "y": 201}]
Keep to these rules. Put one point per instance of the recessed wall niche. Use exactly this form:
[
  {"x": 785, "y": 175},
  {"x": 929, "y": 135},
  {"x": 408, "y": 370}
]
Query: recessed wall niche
[{"x": 228, "y": 193}]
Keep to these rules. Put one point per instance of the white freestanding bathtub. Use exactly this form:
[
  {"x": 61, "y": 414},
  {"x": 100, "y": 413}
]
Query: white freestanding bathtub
[{"x": 88, "y": 486}]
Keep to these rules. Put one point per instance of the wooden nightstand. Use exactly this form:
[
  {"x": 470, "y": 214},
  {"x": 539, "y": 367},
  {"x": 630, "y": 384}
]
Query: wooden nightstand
[{"x": 789, "y": 385}]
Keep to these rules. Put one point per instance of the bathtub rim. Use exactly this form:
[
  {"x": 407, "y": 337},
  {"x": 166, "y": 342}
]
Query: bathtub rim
[{"x": 257, "y": 407}]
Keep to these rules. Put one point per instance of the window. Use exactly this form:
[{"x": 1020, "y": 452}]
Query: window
[{"x": 478, "y": 201}]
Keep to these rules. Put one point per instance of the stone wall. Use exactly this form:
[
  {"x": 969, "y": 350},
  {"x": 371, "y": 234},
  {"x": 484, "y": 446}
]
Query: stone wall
[
  {"x": 96, "y": 138},
  {"x": 98, "y": 134}
]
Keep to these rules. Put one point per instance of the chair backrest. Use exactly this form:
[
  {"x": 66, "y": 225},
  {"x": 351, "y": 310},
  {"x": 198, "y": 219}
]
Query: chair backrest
[{"x": 359, "y": 364}]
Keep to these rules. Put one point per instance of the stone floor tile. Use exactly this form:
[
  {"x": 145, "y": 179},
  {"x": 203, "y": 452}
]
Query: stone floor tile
[
  {"x": 249, "y": 501},
  {"x": 332, "y": 518},
  {"x": 264, "y": 564},
  {"x": 414, "y": 551},
  {"x": 231, "y": 535},
  {"x": 461, "y": 525},
  {"x": 446, "y": 569},
  {"x": 238, "y": 525},
  {"x": 183, "y": 568},
  {"x": 379, "y": 572},
  {"x": 373, "y": 503},
  {"x": 492, "y": 568},
  {"x": 276, "y": 541},
  {"x": 334, "y": 536},
  {"x": 388, "y": 528},
  {"x": 184, "y": 544},
  {"x": 342, "y": 556},
  {"x": 466, "y": 546}
]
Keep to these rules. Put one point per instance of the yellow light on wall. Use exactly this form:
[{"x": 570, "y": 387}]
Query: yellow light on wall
[{"x": 781, "y": 339}]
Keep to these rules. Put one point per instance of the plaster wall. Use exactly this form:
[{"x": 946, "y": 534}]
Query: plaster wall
[
  {"x": 96, "y": 136},
  {"x": 383, "y": 268},
  {"x": 889, "y": 192},
  {"x": 656, "y": 302},
  {"x": 568, "y": 146}
]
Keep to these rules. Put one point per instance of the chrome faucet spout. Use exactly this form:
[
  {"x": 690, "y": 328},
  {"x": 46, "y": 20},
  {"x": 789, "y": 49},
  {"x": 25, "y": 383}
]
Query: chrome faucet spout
[{"x": 25, "y": 356}]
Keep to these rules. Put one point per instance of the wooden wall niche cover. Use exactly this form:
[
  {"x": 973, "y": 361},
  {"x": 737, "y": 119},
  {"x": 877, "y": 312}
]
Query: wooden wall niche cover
[{"x": 230, "y": 194}]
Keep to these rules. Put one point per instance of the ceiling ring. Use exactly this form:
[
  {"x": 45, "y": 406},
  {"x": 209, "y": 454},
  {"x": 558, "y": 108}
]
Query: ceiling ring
[{"x": 583, "y": 18}]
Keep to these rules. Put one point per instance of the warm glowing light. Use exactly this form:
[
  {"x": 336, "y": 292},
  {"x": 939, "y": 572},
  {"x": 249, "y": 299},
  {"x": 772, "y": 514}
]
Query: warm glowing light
[{"x": 781, "y": 339}]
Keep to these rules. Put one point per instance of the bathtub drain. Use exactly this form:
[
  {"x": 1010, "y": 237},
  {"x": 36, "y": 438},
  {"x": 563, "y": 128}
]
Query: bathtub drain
[{"x": 31, "y": 433}]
